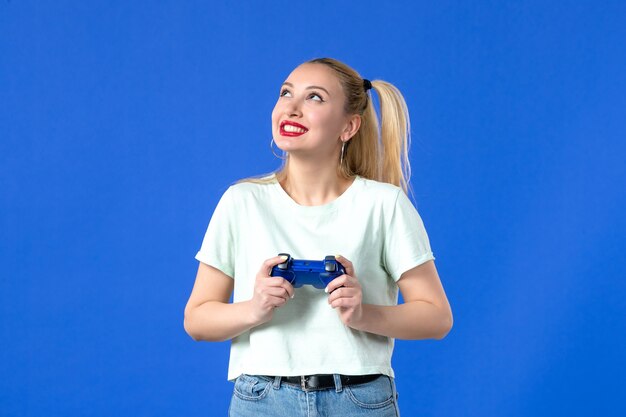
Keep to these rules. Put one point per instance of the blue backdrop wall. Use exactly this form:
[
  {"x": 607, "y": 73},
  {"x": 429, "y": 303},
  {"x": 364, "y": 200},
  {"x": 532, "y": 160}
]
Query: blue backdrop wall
[{"x": 121, "y": 123}]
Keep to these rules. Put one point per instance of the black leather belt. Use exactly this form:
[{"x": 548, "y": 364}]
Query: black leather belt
[{"x": 320, "y": 382}]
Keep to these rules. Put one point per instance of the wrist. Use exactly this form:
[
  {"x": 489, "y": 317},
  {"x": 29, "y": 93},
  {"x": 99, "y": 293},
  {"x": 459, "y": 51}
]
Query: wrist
[
  {"x": 357, "y": 319},
  {"x": 253, "y": 315}
]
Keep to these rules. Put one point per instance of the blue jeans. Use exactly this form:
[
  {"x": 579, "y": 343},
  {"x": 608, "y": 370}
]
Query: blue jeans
[{"x": 260, "y": 396}]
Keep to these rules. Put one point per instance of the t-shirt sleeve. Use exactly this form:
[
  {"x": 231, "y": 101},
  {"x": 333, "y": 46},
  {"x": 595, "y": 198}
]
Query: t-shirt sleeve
[
  {"x": 218, "y": 245},
  {"x": 406, "y": 243}
]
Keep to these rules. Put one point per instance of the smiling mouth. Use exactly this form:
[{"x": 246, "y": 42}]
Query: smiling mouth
[{"x": 292, "y": 129}]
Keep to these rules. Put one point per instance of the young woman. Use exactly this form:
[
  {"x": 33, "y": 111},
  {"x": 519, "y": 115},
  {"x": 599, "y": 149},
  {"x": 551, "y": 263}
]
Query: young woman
[{"x": 341, "y": 191}]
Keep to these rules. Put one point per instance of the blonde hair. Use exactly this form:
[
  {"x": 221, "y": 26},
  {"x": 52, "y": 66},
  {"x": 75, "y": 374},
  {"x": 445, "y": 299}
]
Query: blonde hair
[{"x": 379, "y": 150}]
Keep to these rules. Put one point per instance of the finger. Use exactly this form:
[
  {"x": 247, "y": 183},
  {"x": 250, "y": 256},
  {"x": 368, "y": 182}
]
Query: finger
[
  {"x": 275, "y": 302},
  {"x": 266, "y": 282},
  {"x": 340, "y": 281},
  {"x": 337, "y": 303},
  {"x": 274, "y": 281},
  {"x": 335, "y": 293},
  {"x": 346, "y": 264},
  {"x": 343, "y": 303},
  {"x": 268, "y": 264},
  {"x": 289, "y": 288},
  {"x": 277, "y": 292},
  {"x": 341, "y": 292}
]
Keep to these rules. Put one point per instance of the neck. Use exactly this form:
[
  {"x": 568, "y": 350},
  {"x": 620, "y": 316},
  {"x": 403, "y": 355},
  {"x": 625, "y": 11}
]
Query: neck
[{"x": 310, "y": 183}]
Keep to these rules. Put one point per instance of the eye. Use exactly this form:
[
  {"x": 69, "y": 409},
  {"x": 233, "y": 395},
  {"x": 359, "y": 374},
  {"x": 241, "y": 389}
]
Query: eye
[
  {"x": 285, "y": 93},
  {"x": 316, "y": 97}
]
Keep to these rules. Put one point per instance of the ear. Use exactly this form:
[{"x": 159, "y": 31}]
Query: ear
[{"x": 352, "y": 126}]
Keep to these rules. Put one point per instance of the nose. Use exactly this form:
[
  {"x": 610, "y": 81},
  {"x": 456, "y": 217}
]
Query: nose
[{"x": 293, "y": 109}]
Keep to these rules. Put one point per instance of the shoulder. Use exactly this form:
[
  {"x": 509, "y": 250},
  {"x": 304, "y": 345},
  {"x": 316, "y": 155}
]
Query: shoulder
[
  {"x": 251, "y": 187},
  {"x": 380, "y": 191},
  {"x": 388, "y": 197}
]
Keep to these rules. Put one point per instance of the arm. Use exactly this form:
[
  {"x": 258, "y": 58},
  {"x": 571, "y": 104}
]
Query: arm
[
  {"x": 425, "y": 314},
  {"x": 209, "y": 315}
]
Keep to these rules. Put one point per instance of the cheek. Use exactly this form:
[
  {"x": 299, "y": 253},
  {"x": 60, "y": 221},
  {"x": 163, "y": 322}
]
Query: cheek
[
  {"x": 275, "y": 115},
  {"x": 320, "y": 117},
  {"x": 328, "y": 121}
]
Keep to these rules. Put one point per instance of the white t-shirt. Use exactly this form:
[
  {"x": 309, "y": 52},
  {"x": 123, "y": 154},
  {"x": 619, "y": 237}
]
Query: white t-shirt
[{"x": 372, "y": 224}]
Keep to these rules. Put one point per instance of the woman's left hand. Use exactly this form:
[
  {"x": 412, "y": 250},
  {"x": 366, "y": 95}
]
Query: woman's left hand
[{"x": 345, "y": 294}]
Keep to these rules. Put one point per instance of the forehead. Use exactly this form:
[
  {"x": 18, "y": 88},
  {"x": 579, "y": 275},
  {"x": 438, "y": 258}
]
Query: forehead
[{"x": 315, "y": 74}]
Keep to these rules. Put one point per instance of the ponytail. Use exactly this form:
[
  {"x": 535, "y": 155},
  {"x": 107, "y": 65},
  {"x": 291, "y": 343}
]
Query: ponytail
[{"x": 394, "y": 135}]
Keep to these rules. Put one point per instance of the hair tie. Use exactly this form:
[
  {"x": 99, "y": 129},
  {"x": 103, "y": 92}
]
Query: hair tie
[{"x": 367, "y": 84}]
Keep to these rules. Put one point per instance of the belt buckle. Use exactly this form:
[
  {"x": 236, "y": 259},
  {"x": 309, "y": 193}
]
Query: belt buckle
[{"x": 303, "y": 382}]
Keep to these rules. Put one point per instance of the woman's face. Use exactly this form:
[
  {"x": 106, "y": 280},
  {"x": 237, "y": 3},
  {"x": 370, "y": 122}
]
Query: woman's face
[{"x": 309, "y": 116}]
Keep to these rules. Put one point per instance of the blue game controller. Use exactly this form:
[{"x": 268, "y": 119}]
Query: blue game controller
[{"x": 301, "y": 272}]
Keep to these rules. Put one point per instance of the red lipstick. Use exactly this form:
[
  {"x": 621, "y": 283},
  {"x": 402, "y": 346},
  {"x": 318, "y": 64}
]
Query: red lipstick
[{"x": 295, "y": 129}]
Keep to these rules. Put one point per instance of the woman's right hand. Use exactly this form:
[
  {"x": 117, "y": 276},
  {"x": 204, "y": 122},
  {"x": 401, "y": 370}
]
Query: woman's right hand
[{"x": 269, "y": 292}]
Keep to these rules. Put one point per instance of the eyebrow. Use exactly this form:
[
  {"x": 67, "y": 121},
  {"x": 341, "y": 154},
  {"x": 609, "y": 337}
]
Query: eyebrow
[{"x": 311, "y": 87}]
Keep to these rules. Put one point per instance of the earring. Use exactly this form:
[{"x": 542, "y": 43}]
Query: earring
[
  {"x": 272, "y": 148},
  {"x": 343, "y": 147}
]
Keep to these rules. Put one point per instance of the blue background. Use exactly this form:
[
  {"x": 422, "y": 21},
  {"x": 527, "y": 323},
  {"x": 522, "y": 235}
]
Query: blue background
[{"x": 121, "y": 123}]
